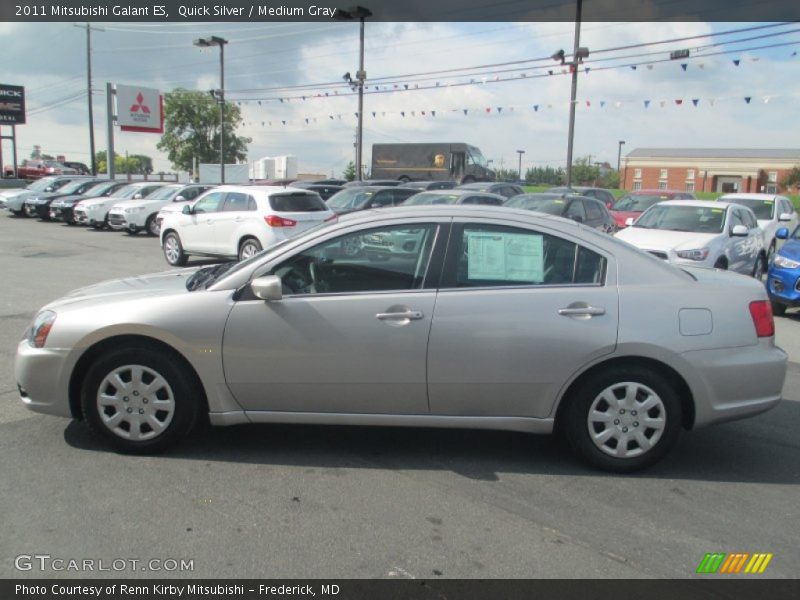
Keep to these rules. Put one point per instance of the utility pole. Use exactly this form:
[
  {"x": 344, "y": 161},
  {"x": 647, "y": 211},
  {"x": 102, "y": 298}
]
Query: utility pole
[
  {"x": 89, "y": 91},
  {"x": 520, "y": 152}
]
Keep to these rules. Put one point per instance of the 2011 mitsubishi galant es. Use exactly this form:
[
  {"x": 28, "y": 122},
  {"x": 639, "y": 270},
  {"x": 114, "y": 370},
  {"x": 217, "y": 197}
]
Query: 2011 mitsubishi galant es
[{"x": 497, "y": 319}]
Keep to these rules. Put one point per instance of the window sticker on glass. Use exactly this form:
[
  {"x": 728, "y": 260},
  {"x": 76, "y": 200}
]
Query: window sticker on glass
[{"x": 505, "y": 256}]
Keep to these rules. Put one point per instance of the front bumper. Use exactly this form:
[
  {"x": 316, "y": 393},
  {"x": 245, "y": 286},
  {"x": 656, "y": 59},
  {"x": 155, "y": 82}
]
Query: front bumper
[
  {"x": 783, "y": 286},
  {"x": 42, "y": 375},
  {"x": 734, "y": 383},
  {"x": 117, "y": 221},
  {"x": 38, "y": 211}
]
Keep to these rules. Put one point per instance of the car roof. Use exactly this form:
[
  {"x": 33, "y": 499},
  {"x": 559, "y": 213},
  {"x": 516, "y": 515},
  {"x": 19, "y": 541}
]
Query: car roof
[
  {"x": 750, "y": 196},
  {"x": 656, "y": 192},
  {"x": 698, "y": 203}
]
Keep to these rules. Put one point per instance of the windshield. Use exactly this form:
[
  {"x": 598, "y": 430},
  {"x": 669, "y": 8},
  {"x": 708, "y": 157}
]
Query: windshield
[
  {"x": 476, "y": 157},
  {"x": 432, "y": 198},
  {"x": 99, "y": 189},
  {"x": 41, "y": 184},
  {"x": 551, "y": 206},
  {"x": 638, "y": 202},
  {"x": 698, "y": 219},
  {"x": 352, "y": 198},
  {"x": 764, "y": 209},
  {"x": 164, "y": 193},
  {"x": 74, "y": 186},
  {"x": 129, "y": 191}
]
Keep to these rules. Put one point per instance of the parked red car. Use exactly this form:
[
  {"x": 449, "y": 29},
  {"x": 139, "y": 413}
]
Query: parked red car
[
  {"x": 37, "y": 168},
  {"x": 633, "y": 204}
]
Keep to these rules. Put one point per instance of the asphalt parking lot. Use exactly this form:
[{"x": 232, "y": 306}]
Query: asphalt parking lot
[{"x": 302, "y": 501}]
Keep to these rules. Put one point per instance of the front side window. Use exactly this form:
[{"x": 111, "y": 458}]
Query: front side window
[
  {"x": 382, "y": 259},
  {"x": 209, "y": 203},
  {"x": 576, "y": 211},
  {"x": 593, "y": 211},
  {"x": 500, "y": 256}
]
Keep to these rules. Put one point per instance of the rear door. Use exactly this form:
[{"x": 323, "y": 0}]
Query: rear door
[
  {"x": 519, "y": 311},
  {"x": 237, "y": 210}
]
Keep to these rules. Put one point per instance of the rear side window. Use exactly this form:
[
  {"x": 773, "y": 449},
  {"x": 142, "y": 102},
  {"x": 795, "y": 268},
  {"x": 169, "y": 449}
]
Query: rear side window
[
  {"x": 401, "y": 194},
  {"x": 297, "y": 202},
  {"x": 498, "y": 256},
  {"x": 237, "y": 201},
  {"x": 593, "y": 211}
]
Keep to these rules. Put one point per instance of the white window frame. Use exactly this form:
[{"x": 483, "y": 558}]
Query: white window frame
[
  {"x": 662, "y": 185},
  {"x": 772, "y": 188},
  {"x": 637, "y": 173},
  {"x": 690, "y": 174},
  {"x": 690, "y": 186},
  {"x": 772, "y": 177},
  {"x": 637, "y": 185},
  {"x": 663, "y": 174}
]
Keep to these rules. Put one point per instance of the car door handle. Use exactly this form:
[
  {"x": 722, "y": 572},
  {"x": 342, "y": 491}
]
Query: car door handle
[
  {"x": 238, "y": 220},
  {"x": 589, "y": 311},
  {"x": 412, "y": 315}
]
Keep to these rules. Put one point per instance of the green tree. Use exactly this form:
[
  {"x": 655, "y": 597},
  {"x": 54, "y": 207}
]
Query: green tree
[
  {"x": 507, "y": 174},
  {"x": 191, "y": 130},
  {"x": 583, "y": 172},
  {"x": 609, "y": 179},
  {"x": 792, "y": 178},
  {"x": 545, "y": 176},
  {"x": 349, "y": 171},
  {"x": 139, "y": 164}
]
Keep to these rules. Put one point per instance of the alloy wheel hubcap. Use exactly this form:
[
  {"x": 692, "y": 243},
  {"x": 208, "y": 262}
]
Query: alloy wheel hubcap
[
  {"x": 171, "y": 249},
  {"x": 135, "y": 402},
  {"x": 626, "y": 419},
  {"x": 249, "y": 250}
]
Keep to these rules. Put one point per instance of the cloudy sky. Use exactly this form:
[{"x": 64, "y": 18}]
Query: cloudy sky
[{"x": 443, "y": 67}]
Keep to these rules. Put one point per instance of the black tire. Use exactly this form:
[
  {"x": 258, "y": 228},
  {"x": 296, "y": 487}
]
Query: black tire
[
  {"x": 130, "y": 231},
  {"x": 467, "y": 179},
  {"x": 760, "y": 267},
  {"x": 151, "y": 227},
  {"x": 173, "y": 250},
  {"x": 722, "y": 263},
  {"x": 99, "y": 226},
  {"x": 404, "y": 178},
  {"x": 248, "y": 247},
  {"x": 17, "y": 213},
  {"x": 771, "y": 254},
  {"x": 778, "y": 309},
  {"x": 577, "y": 412},
  {"x": 180, "y": 388}
]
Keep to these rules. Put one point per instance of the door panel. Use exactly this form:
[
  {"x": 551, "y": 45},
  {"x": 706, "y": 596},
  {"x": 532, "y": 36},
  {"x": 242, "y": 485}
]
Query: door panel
[{"x": 502, "y": 348}]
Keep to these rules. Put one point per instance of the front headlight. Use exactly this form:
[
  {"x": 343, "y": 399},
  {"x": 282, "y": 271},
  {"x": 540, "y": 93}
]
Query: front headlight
[
  {"x": 42, "y": 324},
  {"x": 699, "y": 254},
  {"x": 785, "y": 263}
]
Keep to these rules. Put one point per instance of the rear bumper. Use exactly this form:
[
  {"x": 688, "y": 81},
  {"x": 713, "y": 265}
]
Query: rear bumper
[{"x": 736, "y": 382}]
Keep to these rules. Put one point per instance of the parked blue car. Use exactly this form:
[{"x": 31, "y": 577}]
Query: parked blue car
[{"x": 783, "y": 278}]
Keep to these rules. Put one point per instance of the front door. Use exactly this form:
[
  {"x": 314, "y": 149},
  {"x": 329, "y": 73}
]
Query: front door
[
  {"x": 350, "y": 334},
  {"x": 196, "y": 230},
  {"x": 518, "y": 313}
]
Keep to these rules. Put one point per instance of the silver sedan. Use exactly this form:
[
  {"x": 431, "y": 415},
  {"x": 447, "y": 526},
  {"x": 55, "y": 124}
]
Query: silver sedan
[{"x": 496, "y": 319}]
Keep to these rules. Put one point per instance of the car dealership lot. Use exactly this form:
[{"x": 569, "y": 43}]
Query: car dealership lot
[{"x": 355, "y": 502}]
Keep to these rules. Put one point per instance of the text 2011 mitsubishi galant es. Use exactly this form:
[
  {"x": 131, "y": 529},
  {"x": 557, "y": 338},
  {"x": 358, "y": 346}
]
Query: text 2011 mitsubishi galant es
[{"x": 491, "y": 318}]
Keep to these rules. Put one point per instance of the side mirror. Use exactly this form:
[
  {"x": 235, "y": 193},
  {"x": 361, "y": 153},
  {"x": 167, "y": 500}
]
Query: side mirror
[
  {"x": 739, "y": 231},
  {"x": 187, "y": 210},
  {"x": 138, "y": 196},
  {"x": 179, "y": 199},
  {"x": 49, "y": 188},
  {"x": 628, "y": 221},
  {"x": 268, "y": 287},
  {"x": 785, "y": 217},
  {"x": 782, "y": 233}
]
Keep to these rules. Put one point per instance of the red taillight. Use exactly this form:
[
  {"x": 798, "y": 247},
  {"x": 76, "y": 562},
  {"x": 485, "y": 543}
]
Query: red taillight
[
  {"x": 761, "y": 311},
  {"x": 276, "y": 221}
]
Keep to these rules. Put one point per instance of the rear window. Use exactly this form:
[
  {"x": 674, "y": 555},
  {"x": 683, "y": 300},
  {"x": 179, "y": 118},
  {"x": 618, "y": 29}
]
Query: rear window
[{"x": 296, "y": 203}]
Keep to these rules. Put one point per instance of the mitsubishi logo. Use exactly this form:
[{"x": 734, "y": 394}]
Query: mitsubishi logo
[{"x": 140, "y": 104}]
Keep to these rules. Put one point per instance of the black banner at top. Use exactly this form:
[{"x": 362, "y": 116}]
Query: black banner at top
[{"x": 156, "y": 11}]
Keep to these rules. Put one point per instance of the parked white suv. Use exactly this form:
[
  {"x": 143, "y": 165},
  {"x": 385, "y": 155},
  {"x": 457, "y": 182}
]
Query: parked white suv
[
  {"x": 772, "y": 212},
  {"x": 703, "y": 234},
  {"x": 134, "y": 216},
  {"x": 94, "y": 212},
  {"x": 239, "y": 221}
]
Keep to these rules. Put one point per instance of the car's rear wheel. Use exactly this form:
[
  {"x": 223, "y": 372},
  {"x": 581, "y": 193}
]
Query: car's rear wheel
[
  {"x": 249, "y": 247},
  {"x": 778, "y": 309},
  {"x": 139, "y": 400},
  {"x": 623, "y": 419},
  {"x": 173, "y": 250},
  {"x": 151, "y": 225}
]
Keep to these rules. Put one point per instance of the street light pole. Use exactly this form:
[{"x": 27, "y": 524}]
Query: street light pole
[
  {"x": 574, "y": 90},
  {"x": 219, "y": 94},
  {"x": 360, "y": 13},
  {"x": 619, "y": 160},
  {"x": 520, "y": 152}
]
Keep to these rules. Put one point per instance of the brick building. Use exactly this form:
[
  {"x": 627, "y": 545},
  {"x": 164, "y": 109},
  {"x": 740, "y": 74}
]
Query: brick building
[{"x": 708, "y": 169}]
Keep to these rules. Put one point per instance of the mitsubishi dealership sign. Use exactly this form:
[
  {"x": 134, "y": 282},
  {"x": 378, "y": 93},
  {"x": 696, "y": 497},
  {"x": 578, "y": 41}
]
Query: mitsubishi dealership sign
[{"x": 139, "y": 109}]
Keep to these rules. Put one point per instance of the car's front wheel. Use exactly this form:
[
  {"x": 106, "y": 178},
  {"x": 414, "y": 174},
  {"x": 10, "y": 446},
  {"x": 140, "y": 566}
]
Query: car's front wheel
[
  {"x": 778, "y": 309},
  {"x": 173, "y": 250},
  {"x": 139, "y": 400},
  {"x": 623, "y": 419},
  {"x": 759, "y": 267},
  {"x": 151, "y": 225}
]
